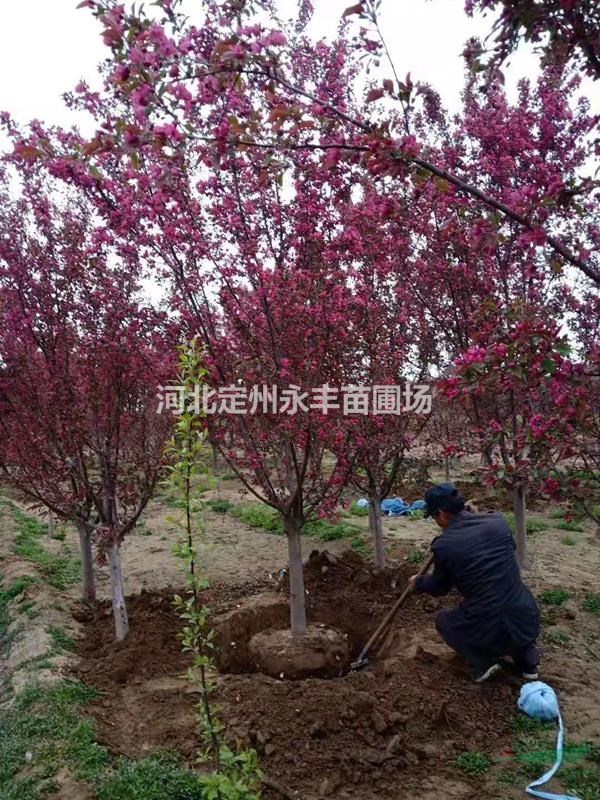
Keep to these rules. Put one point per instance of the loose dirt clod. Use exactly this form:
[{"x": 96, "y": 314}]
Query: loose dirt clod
[{"x": 321, "y": 652}]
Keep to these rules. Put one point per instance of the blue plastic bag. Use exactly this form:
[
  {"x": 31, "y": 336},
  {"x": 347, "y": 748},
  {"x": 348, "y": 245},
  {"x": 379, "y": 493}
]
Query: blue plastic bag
[{"x": 538, "y": 700}]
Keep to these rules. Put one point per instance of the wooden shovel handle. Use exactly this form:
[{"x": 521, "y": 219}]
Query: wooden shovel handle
[{"x": 387, "y": 620}]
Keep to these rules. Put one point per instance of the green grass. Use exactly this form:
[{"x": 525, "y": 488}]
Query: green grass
[
  {"x": 473, "y": 763},
  {"x": 8, "y": 594},
  {"x": 39, "y": 663},
  {"x": 142, "y": 530},
  {"x": 416, "y": 557},
  {"x": 61, "y": 641},
  {"x": 158, "y": 777},
  {"x": 594, "y": 752},
  {"x": 29, "y": 526},
  {"x": 46, "y": 724},
  {"x": 592, "y": 603},
  {"x": 534, "y": 746},
  {"x": 29, "y": 608},
  {"x": 227, "y": 475},
  {"x": 554, "y": 597},
  {"x": 511, "y": 777},
  {"x": 258, "y": 515},
  {"x": 328, "y": 531},
  {"x": 570, "y": 525},
  {"x": 556, "y": 637},
  {"x": 43, "y": 733},
  {"x": 575, "y": 516},
  {"x": 220, "y": 505},
  {"x": 359, "y": 545},
  {"x": 579, "y": 776},
  {"x": 568, "y": 540},
  {"x": 532, "y": 526},
  {"x": 173, "y": 502},
  {"x": 521, "y": 723},
  {"x": 59, "y": 571},
  {"x": 196, "y": 505},
  {"x": 359, "y": 511},
  {"x": 582, "y": 781}
]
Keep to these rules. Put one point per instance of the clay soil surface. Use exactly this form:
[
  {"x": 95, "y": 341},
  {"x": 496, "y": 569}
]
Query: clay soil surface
[
  {"x": 387, "y": 731},
  {"x": 393, "y": 730}
]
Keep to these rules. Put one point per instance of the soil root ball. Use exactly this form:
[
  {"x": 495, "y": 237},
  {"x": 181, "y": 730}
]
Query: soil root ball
[{"x": 321, "y": 652}]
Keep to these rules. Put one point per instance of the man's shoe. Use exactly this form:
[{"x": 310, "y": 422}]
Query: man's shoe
[
  {"x": 530, "y": 676},
  {"x": 481, "y": 675}
]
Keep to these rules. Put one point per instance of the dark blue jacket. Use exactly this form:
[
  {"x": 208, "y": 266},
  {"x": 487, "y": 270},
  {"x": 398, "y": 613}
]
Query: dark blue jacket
[{"x": 476, "y": 555}]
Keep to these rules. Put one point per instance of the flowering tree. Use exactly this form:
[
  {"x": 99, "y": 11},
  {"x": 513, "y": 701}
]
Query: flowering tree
[
  {"x": 525, "y": 412},
  {"x": 380, "y": 365},
  {"x": 280, "y": 330},
  {"x": 576, "y": 479},
  {"x": 248, "y": 253},
  {"x": 232, "y": 82},
  {"x": 247, "y": 248},
  {"x": 81, "y": 361},
  {"x": 471, "y": 272},
  {"x": 278, "y": 448},
  {"x": 203, "y": 128},
  {"x": 564, "y": 30},
  {"x": 448, "y": 433}
]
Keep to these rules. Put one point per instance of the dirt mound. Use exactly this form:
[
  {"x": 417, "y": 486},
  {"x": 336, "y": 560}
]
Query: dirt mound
[
  {"x": 367, "y": 731},
  {"x": 487, "y": 499},
  {"x": 368, "y": 734},
  {"x": 152, "y": 649},
  {"x": 498, "y": 498},
  {"x": 323, "y": 569}
]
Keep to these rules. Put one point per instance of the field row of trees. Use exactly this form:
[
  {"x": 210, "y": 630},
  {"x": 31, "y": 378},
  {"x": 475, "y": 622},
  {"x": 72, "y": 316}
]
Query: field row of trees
[{"x": 311, "y": 219}]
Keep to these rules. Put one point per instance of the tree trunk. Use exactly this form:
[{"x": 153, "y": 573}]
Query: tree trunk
[
  {"x": 447, "y": 468},
  {"x": 118, "y": 595},
  {"x": 520, "y": 508},
  {"x": 376, "y": 527},
  {"x": 88, "y": 580},
  {"x": 297, "y": 604},
  {"x": 215, "y": 457},
  {"x": 50, "y": 524}
]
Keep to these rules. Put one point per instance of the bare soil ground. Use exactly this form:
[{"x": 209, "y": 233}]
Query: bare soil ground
[
  {"x": 412, "y": 711},
  {"x": 392, "y": 730},
  {"x": 231, "y": 551}
]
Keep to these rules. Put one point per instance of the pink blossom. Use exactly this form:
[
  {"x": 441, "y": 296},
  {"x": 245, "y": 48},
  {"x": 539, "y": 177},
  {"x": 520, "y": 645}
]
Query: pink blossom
[
  {"x": 275, "y": 38},
  {"x": 551, "y": 486},
  {"x": 474, "y": 355}
]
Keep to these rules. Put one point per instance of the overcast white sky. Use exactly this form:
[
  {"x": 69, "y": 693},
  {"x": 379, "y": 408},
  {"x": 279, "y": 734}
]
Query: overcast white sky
[{"x": 46, "y": 46}]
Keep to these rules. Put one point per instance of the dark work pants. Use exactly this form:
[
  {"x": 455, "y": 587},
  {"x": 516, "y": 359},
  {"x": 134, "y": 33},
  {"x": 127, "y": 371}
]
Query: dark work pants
[{"x": 458, "y": 633}]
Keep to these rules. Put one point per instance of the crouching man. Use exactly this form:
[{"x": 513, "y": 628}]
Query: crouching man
[{"x": 498, "y": 615}]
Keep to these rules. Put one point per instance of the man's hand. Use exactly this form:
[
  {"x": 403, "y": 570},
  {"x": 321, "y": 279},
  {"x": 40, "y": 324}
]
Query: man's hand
[{"x": 412, "y": 583}]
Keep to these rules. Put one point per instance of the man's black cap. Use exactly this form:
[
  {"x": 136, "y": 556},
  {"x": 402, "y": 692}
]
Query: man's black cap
[{"x": 440, "y": 498}]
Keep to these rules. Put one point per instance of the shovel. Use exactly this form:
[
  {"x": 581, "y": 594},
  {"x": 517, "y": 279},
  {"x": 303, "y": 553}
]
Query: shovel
[{"x": 375, "y": 639}]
